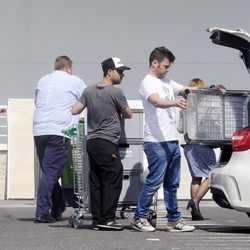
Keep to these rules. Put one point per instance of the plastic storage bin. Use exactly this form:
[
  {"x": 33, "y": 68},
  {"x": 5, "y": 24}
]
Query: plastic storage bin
[{"x": 212, "y": 118}]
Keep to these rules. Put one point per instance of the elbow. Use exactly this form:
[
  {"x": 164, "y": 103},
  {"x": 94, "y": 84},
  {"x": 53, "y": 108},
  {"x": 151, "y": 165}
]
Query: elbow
[
  {"x": 130, "y": 116},
  {"x": 77, "y": 108},
  {"x": 74, "y": 112},
  {"x": 155, "y": 104},
  {"x": 127, "y": 116}
]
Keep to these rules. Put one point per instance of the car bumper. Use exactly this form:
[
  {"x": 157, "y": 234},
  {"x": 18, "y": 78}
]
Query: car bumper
[{"x": 230, "y": 183}]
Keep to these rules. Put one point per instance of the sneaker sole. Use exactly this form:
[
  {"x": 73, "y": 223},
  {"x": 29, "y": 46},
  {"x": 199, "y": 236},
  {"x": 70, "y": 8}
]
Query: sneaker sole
[
  {"x": 104, "y": 227},
  {"x": 181, "y": 230},
  {"x": 142, "y": 230}
]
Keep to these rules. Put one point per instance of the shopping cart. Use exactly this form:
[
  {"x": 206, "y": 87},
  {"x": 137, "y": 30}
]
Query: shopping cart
[
  {"x": 80, "y": 172},
  {"x": 132, "y": 182}
]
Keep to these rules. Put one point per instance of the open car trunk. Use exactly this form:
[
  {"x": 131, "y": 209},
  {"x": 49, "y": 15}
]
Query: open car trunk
[{"x": 237, "y": 39}]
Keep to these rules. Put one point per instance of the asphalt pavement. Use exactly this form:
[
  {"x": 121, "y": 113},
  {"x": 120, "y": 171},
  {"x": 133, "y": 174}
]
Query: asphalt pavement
[{"x": 222, "y": 229}]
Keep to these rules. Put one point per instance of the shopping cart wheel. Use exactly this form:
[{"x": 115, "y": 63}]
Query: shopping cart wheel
[
  {"x": 124, "y": 213},
  {"x": 71, "y": 220},
  {"x": 78, "y": 223},
  {"x": 152, "y": 217}
]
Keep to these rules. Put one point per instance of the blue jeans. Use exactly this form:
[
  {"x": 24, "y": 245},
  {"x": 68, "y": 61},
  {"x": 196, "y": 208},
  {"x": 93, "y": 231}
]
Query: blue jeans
[{"x": 164, "y": 168}]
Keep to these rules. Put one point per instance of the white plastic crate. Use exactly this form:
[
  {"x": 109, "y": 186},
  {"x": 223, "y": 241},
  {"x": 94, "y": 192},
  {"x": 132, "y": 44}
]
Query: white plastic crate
[{"x": 212, "y": 118}]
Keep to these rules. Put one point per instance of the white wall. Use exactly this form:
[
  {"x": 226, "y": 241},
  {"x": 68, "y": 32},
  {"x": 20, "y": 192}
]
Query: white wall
[
  {"x": 34, "y": 32},
  {"x": 20, "y": 160}
]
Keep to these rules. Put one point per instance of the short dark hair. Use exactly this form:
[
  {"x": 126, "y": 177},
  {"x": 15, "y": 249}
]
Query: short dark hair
[
  {"x": 62, "y": 62},
  {"x": 159, "y": 54}
]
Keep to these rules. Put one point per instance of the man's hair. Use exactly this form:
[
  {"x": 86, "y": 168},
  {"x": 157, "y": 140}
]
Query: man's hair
[
  {"x": 159, "y": 54},
  {"x": 62, "y": 62}
]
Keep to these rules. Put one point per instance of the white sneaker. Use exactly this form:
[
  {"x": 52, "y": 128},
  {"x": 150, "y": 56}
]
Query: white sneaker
[
  {"x": 112, "y": 225},
  {"x": 179, "y": 226},
  {"x": 142, "y": 225}
]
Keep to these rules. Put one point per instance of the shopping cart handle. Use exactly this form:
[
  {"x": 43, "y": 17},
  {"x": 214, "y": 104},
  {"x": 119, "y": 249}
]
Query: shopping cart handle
[{"x": 71, "y": 132}]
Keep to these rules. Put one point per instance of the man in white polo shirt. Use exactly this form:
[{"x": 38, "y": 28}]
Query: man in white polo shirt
[{"x": 54, "y": 97}]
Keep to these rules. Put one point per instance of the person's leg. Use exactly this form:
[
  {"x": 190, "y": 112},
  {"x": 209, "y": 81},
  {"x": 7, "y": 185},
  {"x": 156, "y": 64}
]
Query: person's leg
[
  {"x": 40, "y": 143},
  {"x": 112, "y": 185},
  {"x": 157, "y": 163},
  {"x": 170, "y": 185},
  {"x": 59, "y": 204},
  {"x": 194, "y": 202},
  {"x": 61, "y": 148},
  {"x": 172, "y": 180},
  {"x": 108, "y": 163},
  {"x": 203, "y": 189},
  {"x": 94, "y": 183},
  {"x": 195, "y": 186},
  {"x": 55, "y": 156}
]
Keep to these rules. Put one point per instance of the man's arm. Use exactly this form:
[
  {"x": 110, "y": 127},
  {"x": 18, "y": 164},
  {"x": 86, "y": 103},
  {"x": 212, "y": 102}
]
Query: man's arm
[
  {"x": 127, "y": 113},
  {"x": 77, "y": 108},
  {"x": 220, "y": 87},
  {"x": 159, "y": 102}
]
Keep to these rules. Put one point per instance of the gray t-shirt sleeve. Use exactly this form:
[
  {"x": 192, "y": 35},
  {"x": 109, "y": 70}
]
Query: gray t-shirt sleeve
[
  {"x": 120, "y": 99},
  {"x": 82, "y": 98}
]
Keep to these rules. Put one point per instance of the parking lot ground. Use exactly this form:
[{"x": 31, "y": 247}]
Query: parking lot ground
[{"x": 223, "y": 229}]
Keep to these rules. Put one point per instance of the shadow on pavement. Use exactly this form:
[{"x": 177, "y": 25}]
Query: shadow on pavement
[{"x": 225, "y": 229}]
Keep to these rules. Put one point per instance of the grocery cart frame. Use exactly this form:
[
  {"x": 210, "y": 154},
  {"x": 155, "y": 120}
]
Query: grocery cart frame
[{"x": 81, "y": 174}]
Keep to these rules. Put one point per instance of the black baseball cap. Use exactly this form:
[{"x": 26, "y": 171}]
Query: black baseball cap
[{"x": 113, "y": 63}]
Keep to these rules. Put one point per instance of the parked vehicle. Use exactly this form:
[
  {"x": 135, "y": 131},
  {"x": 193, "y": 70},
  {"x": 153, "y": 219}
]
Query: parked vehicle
[{"x": 230, "y": 179}]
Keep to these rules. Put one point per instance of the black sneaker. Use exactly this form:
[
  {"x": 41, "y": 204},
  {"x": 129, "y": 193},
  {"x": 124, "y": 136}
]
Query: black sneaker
[
  {"x": 59, "y": 212},
  {"x": 44, "y": 219},
  {"x": 95, "y": 226},
  {"x": 112, "y": 225}
]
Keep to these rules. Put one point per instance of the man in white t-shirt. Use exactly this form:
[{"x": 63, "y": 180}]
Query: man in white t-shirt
[{"x": 161, "y": 142}]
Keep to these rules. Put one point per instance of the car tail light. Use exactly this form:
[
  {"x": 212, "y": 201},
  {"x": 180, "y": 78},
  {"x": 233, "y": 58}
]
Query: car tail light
[
  {"x": 241, "y": 140},
  {"x": 3, "y": 110}
]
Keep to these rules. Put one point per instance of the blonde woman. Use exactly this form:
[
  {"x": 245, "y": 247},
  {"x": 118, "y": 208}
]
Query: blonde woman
[{"x": 201, "y": 159}]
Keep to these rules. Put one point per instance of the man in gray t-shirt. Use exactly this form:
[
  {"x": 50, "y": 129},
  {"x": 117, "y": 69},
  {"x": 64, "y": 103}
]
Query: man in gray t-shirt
[{"x": 106, "y": 105}]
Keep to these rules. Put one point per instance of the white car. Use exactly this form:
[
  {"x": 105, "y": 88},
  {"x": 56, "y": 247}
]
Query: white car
[{"x": 230, "y": 179}]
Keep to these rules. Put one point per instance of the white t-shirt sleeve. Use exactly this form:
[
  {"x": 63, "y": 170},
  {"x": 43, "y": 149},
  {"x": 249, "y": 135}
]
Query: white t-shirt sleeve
[
  {"x": 147, "y": 88},
  {"x": 177, "y": 88}
]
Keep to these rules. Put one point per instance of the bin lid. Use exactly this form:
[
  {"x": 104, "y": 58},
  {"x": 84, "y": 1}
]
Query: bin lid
[{"x": 237, "y": 39}]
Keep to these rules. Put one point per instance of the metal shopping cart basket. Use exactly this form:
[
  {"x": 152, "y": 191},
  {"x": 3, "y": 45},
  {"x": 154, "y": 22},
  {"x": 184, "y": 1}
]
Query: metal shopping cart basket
[
  {"x": 80, "y": 172},
  {"x": 211, "y": 118}
]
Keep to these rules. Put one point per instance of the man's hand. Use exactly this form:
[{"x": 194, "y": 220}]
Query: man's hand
[
  {"x": 181, "y": 103},
  {"x": 221, "y": 88}
]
